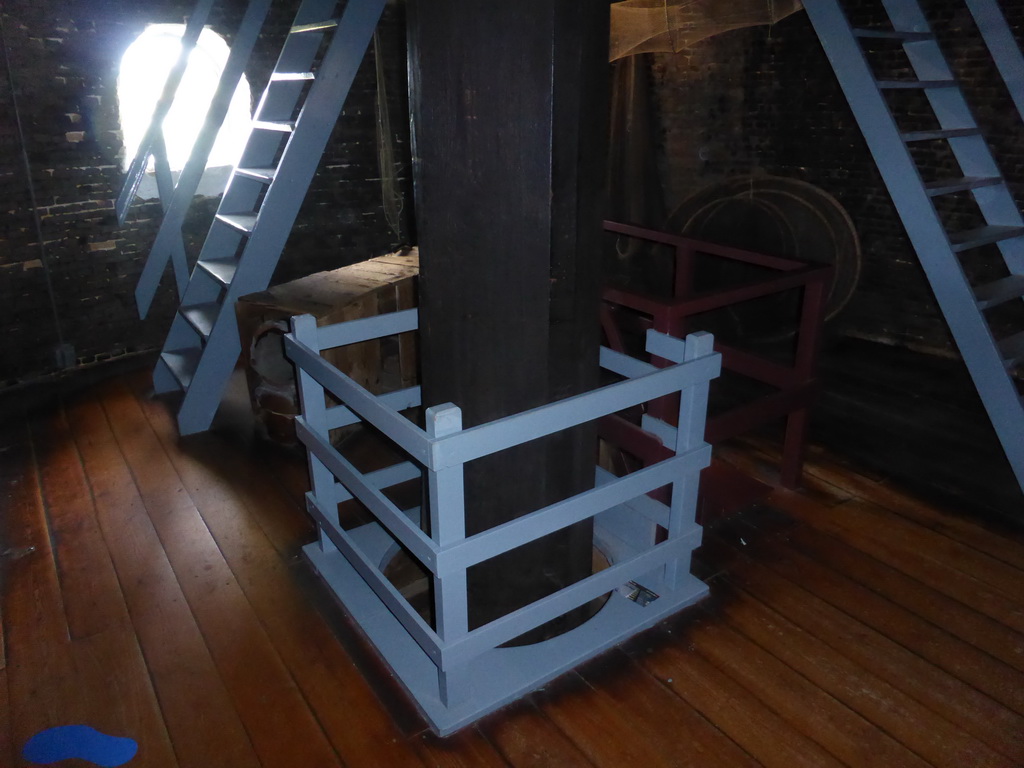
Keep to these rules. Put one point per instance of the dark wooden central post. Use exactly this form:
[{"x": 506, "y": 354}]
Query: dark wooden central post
[{"x": 509, "y": 111}]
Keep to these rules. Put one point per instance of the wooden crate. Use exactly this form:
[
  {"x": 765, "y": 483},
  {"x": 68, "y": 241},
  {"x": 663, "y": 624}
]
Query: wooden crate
[{"x": 380, "y": 285}]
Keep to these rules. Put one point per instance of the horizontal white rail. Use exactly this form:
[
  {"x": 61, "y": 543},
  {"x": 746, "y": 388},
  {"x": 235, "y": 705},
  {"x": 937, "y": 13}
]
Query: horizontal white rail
[
  {"x": 554, "y": 605},
  {"x": 623, "y": 364},
  {"x": 498, "y": 435},
  {"x": 342, "y": 416},
  {"x": 407, "y": 435},
  {"x": 383, "y": 478},
  {"x": 367, "y": 329},
  {"x": 525, "y": 529},
  {"x": 417, "y": 542},
  {"x": 660, "y": 429},
  {"x": 414, "y": 624},
  {"x": 642, "y": 504}
]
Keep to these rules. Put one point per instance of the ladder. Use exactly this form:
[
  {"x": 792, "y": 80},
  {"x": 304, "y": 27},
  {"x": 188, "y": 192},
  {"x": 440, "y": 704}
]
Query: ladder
[
  {"x": 1002, "y": 46},
  {"x": 168, "y": 243},
  {"x": 152, "y": 144},
  {"x": 943, "y": 253},
  {"x": 292, "y": 124}
]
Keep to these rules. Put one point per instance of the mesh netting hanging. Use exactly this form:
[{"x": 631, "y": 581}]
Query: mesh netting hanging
[{"x": 647, "y": 26}]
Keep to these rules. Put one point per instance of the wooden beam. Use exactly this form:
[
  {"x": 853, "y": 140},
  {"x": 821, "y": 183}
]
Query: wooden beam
[{"x": 509, "y": 117}]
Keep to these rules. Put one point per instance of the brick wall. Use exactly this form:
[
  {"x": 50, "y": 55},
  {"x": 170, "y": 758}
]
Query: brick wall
[
  {"x": 63, "y": 64},
  {"x": 748, "y": 101},
  {"x": 764, "y": 100}
]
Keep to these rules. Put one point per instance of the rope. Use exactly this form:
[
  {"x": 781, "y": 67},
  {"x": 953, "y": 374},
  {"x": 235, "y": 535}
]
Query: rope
[
  {"x": 31, "y": 185},
  {"x": 391, "y": 193}
]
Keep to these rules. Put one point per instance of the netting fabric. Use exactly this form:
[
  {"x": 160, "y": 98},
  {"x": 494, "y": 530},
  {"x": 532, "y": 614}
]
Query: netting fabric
[{"x": 646, "y": 26}]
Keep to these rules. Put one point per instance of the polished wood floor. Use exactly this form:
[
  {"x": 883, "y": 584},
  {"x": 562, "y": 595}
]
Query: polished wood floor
[{"x": 152, "y": 589}]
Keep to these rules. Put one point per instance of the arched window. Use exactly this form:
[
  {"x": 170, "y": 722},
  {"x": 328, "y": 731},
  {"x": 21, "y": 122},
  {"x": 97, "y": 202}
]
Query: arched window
[{"x": 144, "y": 69}]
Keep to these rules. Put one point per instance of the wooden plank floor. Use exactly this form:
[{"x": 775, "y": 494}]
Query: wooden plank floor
[{"x": 152, "y": 589}]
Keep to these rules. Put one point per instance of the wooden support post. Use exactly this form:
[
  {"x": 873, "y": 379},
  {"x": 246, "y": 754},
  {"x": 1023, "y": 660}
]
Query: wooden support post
[
  {"x": 693, "y": 408},
  {"x": 509, "y": 110},
  {"x": 447, "y": 525},
  {"x": 812, "y": 318}
]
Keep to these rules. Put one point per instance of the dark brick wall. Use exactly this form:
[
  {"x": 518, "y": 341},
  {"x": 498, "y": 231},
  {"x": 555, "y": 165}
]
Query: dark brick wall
[
  {"x": 63, "y": 64},
  {"x": 764, "y": 100}
]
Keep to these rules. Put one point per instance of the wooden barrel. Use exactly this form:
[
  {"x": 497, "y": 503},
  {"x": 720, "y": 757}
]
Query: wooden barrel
[{"x": 376, "y": 286}]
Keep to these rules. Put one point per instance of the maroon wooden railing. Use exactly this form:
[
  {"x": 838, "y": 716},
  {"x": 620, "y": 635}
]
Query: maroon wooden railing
[{"x": 795, "y": 386}]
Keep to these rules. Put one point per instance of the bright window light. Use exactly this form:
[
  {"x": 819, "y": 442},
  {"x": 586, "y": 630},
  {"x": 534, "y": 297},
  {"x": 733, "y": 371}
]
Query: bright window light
[{"x": 144, "y": 69}]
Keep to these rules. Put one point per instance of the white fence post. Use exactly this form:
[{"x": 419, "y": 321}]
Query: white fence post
[
  {"x": 447, "y": 526},
  {"x": 313, "y": 407},
  {"x": 693, "y": 407}
]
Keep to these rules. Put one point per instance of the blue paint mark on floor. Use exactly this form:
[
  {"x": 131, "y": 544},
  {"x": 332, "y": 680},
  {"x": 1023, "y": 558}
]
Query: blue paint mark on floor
[{"x": 79, "y": 741}]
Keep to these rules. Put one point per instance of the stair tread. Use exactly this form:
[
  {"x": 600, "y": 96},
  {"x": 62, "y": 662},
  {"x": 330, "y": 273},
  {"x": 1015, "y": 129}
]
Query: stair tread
[
  {"x": 1012, "y": 350},
  {"x": 291, "y": 76},
  {"x": 314, "y": 27},
  {"x": 202, "y": 316},
  {"x": 999, "y": 291},
  {"x": 244, "y": 222},
  {"x": 946, "y": 186},
  {"x": 990, "y": 233},
  {"x": 949, "y": 133},
  {"x": 221, "y": 269},
  {"x": 895, "y": 84},
  {"x": 281, "y": 126},
  {"x": 260, "y": 174},
  {"x": 894, "y": 34},
  {"x": 183, "y": 364}
]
